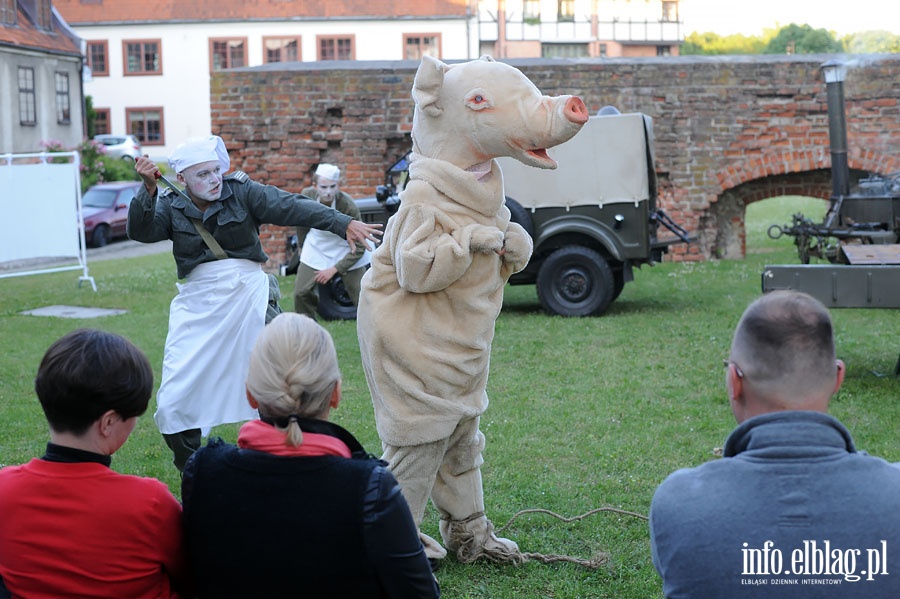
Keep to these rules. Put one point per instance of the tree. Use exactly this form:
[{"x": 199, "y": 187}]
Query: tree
[
  {"x": 711, "y": 44},
  {"x": 803, "y": 39},
  {"x": 872, "y": 42}
]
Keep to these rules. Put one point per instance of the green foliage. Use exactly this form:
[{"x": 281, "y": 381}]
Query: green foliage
[
  {"x": 713, "y": 44},
  {"x": 872, "y": 42},
  {"x": 96, "y": 166},
  {"x": 803, "y": 39},
  {"x": 584, "y": 413},
  {"x": 791, "y": 39},
  {"x": 90, "y": 116}
]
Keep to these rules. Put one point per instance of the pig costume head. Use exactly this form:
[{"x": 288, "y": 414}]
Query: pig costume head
[
  {"x": 471, "y": 112},
  {"x": 428, "y": 304}
]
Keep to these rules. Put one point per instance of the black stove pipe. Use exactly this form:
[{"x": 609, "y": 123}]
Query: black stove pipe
[{"x": 837, "y": 128}]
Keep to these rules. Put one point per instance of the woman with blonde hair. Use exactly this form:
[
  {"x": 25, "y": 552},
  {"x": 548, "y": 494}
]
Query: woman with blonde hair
[{"x": 298, "y": 507}]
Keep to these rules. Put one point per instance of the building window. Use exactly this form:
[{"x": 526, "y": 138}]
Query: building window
[
  {"x": 664, "y": 50},
  {"x": 564, "y": 51},
  {"x": 27, "y": 103},
  {"x": 334, "y": 47},
  {"x": 142, "y": 57},
  {"x": 417, "y": 45},
  {"x": 63, "y": 111},
  {"x": 281, "y": 49},
  {"x": 146, "y": 124},
  {"x": 565, "y": 11},
  {"x": 531, "y": 12},
  {"x": 101, "y": 121},
  {"x": 670, "y": 11},
  {"x": 97, "y": 58},
  {"x": 227, "y": 53},
  {"x": 604, "y": 51}
]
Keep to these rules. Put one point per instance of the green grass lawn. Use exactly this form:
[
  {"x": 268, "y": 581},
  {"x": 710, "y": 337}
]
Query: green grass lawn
[{"x": 585, "y": 413}]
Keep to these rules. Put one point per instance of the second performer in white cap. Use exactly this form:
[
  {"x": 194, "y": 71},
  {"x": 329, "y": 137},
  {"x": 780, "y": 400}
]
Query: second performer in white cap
[{"x": 324, "y": 255}]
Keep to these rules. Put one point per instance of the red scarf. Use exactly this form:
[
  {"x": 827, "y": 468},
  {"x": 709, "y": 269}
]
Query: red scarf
[{"x": 260, "y": 436}]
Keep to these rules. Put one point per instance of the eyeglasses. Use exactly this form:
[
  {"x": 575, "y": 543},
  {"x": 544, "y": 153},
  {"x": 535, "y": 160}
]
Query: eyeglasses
[{"x": 726, "y": 363}]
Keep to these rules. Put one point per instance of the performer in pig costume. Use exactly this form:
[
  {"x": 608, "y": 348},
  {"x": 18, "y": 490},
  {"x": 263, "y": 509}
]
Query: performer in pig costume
[{"x": 429, "y": 302}]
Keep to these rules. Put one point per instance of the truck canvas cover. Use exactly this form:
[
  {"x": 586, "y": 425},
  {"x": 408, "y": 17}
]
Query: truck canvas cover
[{"x": 605, "y": 163}]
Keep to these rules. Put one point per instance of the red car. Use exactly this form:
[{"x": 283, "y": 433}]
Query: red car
[{"x": 104, "y": 208}]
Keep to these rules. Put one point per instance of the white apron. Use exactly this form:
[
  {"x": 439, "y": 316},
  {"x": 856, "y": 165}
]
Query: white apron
[
  {"x": 324, "y": 249},
  {"x": 214, "y": 320}
]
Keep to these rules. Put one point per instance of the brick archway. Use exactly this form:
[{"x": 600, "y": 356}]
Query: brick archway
[{"x": 729, "y": 130}]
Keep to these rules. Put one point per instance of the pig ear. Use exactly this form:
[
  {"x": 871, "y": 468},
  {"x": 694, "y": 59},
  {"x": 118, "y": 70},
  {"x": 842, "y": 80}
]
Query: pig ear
[{"x": 427, "y": 85}]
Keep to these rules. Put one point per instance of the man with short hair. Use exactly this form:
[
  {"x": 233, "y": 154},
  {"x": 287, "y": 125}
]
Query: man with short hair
[
  {"x": 221, "y": 306},
  {"x": 324, "y": 255},
  {"x": 792, "y": 502},
  {"x": 69, "y": 525}
]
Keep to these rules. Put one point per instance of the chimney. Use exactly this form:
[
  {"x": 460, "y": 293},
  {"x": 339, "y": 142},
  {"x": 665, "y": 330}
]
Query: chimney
[
  {"x": 835, "y": 72},
  {"x": 40, "y": 11},
  {"x": 8, "y": 12}
]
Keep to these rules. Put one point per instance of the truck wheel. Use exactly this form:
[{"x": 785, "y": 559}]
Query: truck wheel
[
  {"x": 518, "y": 214},
  {"x": 575, "y": 281},
  {"x": 334, "y": 301}
]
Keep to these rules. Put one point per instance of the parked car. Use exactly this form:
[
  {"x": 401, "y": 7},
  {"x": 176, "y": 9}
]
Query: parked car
[
  {"x": 104, "y": 209},
  {"x": 120, "y": 146}
]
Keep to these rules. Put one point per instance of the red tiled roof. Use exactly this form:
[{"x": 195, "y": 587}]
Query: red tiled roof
[
  {"x": 25, "y": 33},
  {"x": 78, "y": 12}
]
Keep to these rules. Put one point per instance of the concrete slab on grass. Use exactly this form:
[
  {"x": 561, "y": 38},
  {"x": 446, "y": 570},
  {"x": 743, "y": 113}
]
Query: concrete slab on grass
[{"x": 73, "y": 312}]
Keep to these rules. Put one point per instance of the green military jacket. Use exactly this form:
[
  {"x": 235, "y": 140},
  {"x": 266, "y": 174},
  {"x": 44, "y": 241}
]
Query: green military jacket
[{"x": 233, "y": 220}]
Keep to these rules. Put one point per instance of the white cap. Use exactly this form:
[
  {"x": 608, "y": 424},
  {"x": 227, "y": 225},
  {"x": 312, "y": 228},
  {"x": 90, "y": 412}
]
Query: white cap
[
  {"x": 328, "y": 171},
  {"x": 203, "y": 149}
]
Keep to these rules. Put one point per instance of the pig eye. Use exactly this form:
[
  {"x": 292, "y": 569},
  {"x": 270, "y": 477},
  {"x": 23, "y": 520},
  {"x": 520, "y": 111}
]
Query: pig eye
[{"x": 477, "y": 100}]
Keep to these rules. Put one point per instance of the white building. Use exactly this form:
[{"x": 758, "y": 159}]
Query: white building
[
  {"x": 40, "y": 78},
  {"x": 152, "y": 62}
]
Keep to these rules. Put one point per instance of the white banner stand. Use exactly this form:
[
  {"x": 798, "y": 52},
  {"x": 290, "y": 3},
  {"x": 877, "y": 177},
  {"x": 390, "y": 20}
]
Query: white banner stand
[{"x": 40, "y": 198}]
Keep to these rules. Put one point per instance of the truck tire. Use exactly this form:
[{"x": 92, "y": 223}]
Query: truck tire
[
  {"x": 518, "y": 214},
  {"x": 334, "y": 301},
  {"x": 575, "y": 281}
]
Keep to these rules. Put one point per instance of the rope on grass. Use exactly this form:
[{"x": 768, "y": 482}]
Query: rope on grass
[{"x": 593, "y": 563}]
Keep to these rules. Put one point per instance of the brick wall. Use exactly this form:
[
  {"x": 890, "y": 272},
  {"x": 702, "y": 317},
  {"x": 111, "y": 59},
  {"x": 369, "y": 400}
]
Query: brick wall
[{"x": 729, "y": 130}]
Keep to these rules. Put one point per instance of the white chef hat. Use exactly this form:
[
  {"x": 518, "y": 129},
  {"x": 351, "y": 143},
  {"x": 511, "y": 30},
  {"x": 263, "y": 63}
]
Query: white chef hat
[
  {"x": 328, "y": 171},
  {"x": 197, "y": 150}
]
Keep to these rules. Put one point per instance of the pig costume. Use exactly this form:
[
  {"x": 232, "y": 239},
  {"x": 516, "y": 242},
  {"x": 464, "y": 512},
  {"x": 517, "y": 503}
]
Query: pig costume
[{"x": 429, "y": 302}]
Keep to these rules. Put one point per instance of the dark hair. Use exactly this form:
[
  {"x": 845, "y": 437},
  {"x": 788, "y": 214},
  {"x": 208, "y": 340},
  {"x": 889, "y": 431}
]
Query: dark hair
[{"x": 88, "y": 372}]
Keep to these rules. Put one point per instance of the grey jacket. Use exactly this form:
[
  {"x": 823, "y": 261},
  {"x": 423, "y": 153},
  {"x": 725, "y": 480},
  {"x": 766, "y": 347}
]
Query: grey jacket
[
  {"x": 791, "y": 510},
  {"x": 233, "y": 220}
]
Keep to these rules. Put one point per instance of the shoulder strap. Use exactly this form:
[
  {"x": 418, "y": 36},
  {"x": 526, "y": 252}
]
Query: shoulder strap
[
  {"x": 210, "y": 241},
  {"x": 238, "y": 176}
]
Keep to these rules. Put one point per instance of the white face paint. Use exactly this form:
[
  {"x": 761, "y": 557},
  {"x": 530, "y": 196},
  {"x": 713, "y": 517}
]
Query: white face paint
[
  {"x": 327, "y": 190},
  {"x": 203, "y": 181}
]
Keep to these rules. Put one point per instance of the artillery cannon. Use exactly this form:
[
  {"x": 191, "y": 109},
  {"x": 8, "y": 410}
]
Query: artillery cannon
[{"x": 874, "y": 198}]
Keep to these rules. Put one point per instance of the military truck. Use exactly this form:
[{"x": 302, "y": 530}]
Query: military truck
[{"x": 593, "y": 219}]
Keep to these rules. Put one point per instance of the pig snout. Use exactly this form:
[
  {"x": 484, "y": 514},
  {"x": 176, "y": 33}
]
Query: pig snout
[{"x": 575, "y": 111}]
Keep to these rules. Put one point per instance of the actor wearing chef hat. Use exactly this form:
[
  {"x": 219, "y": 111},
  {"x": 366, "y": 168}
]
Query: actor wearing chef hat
[
  {"x": 324, "y": 254},
  {"x": 221, "y": 304}
]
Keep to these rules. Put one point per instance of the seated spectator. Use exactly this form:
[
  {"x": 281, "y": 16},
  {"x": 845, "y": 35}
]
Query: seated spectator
[
  {"x": 70, "y": 527},
  {"x": 792, "y": 509},
  {"x": 298, "y": 508}
]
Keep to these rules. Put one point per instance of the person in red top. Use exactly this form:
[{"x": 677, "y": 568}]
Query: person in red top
[{"x": 69, "y": 525}]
